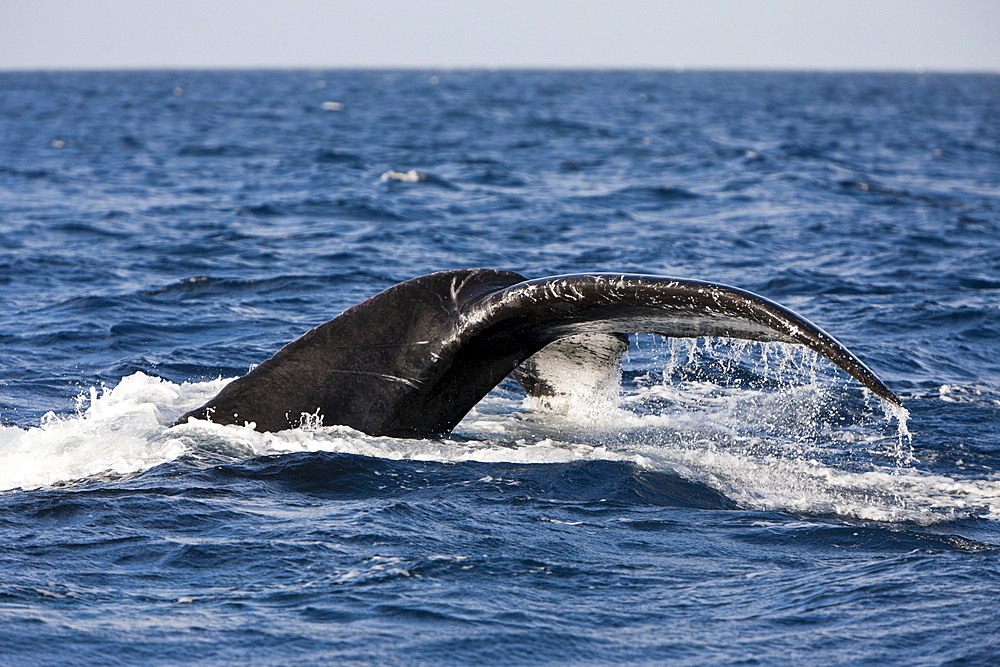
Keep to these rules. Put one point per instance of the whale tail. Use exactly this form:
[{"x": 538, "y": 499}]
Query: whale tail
[{"x": 414, "y": 359}]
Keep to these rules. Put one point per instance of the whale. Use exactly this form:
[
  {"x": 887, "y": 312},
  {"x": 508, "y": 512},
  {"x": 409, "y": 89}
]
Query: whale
[{"x": 413, "y": 360}]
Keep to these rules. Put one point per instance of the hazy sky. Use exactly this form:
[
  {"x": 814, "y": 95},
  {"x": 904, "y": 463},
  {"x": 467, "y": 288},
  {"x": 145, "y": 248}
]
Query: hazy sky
[{"x": 787, "y": 34}]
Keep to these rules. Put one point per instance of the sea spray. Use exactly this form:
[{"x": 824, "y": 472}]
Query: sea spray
[
  {"x": 116, "y": 433},
  {"x": 904, "y": 439},
  {"x": 774, "y": 450}
]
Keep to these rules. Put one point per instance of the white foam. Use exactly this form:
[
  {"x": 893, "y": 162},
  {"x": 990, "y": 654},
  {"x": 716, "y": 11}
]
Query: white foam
[
  {"x": 766, "y": 450},
  {"x": 122, "y": 431},
  {"x": 801, "y": 484},
  {"x": 411, "y": 176},
  {"x": 975, "y": 394}
]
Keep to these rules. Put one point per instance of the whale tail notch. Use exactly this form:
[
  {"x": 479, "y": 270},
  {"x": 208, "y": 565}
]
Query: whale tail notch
[{"x": 413, "y": 360}]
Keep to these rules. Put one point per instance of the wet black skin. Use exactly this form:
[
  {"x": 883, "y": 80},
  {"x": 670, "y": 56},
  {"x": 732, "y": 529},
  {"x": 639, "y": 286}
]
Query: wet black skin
[{"x": 414, "y": 359}]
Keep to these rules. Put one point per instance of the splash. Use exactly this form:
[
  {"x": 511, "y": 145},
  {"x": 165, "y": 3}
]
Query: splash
[
  {"x": 130, "y": 428},
  {"x": 904, "y": 439},
  {"x": 784, "y": 450},
  {"x": 122, "y": 431}
]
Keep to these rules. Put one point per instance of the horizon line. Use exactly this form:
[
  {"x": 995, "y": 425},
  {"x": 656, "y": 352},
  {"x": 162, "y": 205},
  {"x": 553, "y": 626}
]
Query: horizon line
[{"x": 678, "y": 69}]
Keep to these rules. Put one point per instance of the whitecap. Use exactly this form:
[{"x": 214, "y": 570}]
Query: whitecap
[{"x": 411, "y": 176}]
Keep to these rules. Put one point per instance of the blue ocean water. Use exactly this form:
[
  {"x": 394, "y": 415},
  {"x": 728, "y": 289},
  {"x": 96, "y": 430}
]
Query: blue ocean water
[{"x": 164, "y": 231}]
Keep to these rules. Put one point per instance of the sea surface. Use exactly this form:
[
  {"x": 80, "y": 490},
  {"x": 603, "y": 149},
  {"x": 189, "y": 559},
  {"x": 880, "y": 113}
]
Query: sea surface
[{"x": 736, "y": 504}]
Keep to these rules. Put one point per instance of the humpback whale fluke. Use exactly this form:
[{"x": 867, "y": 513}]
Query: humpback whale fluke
[{"x": 413, "y": 360}]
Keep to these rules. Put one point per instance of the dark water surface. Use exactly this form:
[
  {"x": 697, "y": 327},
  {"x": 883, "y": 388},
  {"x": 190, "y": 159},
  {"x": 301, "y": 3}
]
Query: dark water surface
[{"x": 738, "y": 504}]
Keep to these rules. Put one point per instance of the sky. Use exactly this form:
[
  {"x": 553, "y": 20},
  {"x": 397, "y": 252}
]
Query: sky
[{"x": 908, "y": 35}]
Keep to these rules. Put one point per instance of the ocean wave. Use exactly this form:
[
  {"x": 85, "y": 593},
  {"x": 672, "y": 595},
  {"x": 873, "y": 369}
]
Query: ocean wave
[
  {"x": 641, "y": 198},
  {"x": 498, "y": 177},
  {"x": 30, "y": 174},
  {"x": 346, "y": 158},
  {"x": 690, "y": 457},
  {"x": 360, "y": 208},
  {"x": 568, "y": 127},
  {"x": 973, "y": 394},
  {"x": 413, "y": 176},
  {"x": 874, "y": 192},
  {"x": 217, "y": 150},
  {"x": 797, "y": 280},
  {"x": 342, "y": 476}
]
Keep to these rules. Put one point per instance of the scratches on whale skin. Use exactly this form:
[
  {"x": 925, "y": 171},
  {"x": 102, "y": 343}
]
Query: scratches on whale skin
[{"x": 409, "y": 382}]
